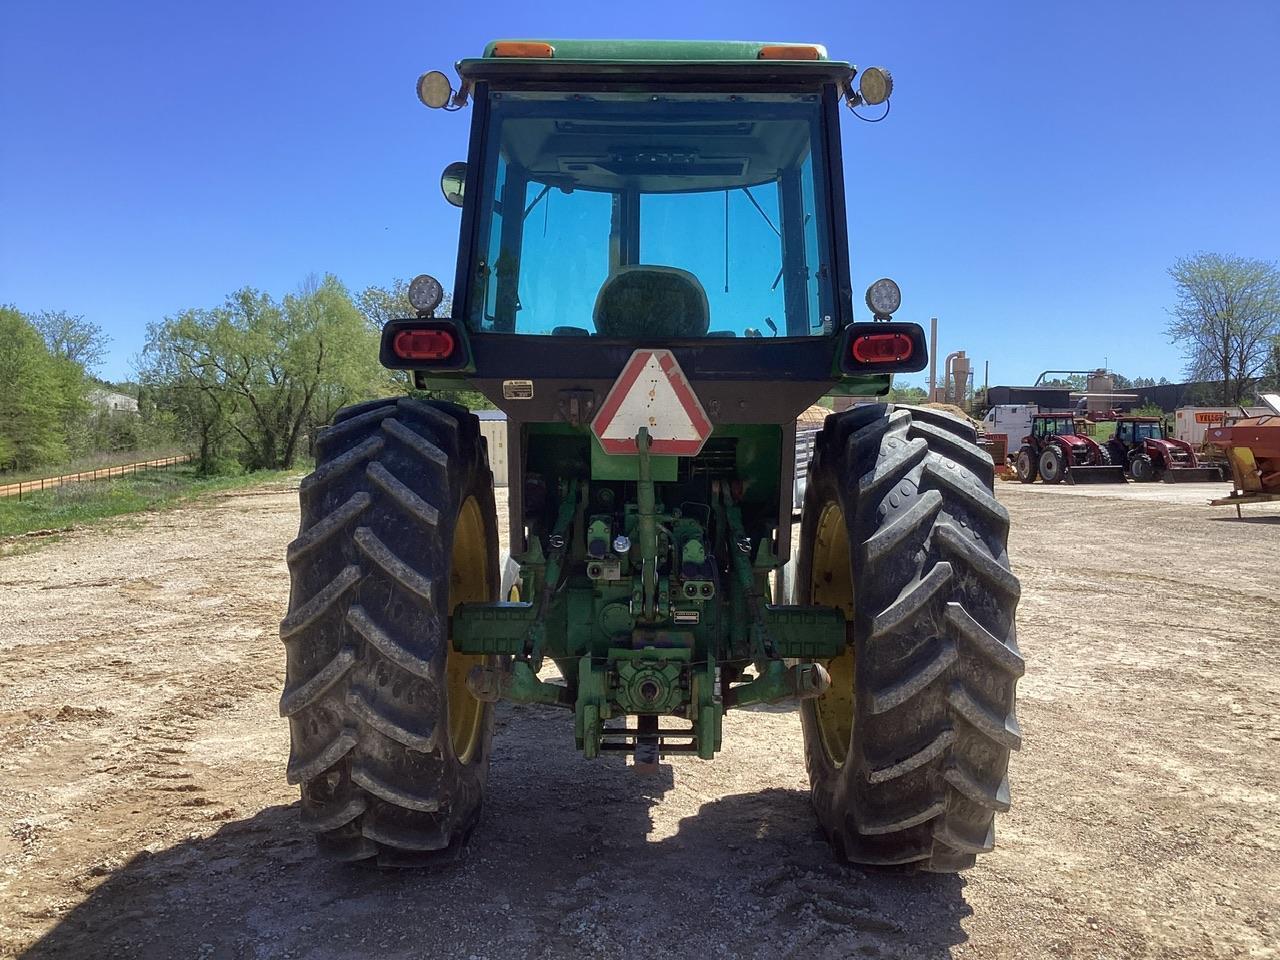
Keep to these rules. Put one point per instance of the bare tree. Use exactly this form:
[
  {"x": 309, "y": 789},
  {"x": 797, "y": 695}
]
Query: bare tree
[
  {"x": 74, "y": 338},
  {"x": 1226, "y": 319}
]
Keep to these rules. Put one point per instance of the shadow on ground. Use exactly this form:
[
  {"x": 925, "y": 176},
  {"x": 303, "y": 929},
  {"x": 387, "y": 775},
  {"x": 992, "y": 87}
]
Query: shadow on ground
[
  {"x": 1265, "y": 520},
  {"x": 566, "y": 863}
]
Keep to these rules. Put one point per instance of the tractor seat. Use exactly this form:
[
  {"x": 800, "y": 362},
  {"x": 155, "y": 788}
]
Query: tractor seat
[{"x": 648, "y": 301}]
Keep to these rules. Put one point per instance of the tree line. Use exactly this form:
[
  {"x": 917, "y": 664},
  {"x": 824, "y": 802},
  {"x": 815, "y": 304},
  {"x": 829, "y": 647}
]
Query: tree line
[
  {"x": 46, "y": 416},
  {"x": 251, "y": 381},
  {"x": 246, "y": 384},
  {"x": 243, "y": 385}
]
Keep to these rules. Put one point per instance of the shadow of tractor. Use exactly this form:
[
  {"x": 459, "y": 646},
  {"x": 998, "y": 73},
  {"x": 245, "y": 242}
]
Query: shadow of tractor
[{"x": 567, "y": 862}]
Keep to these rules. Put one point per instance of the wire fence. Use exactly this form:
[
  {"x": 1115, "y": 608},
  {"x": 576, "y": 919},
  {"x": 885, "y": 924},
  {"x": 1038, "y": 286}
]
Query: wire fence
[{"x": 88, "y": 476}]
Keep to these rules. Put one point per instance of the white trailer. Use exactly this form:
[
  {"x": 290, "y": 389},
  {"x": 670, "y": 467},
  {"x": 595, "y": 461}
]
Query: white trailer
[
  {"x": 1191, "y": 423},
  {"x": 1013, "y": 420}
]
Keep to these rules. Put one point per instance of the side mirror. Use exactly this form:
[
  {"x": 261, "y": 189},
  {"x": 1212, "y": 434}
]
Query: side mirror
[{"x": 453, "y": 182}]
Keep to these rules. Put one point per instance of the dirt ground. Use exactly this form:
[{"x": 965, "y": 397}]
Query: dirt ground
[{"x": 144, "y": 813}]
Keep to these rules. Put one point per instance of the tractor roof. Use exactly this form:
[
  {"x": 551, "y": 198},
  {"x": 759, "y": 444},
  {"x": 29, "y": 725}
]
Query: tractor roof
[{"x": 755, "y": 61}]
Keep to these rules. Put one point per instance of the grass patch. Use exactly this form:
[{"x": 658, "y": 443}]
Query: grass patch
[{"x": 76, "y": 504}]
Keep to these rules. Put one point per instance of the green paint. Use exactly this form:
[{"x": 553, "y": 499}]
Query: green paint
[
  {"x": 606, "y": 466},
  {"x": 777, "y": 682},
  {"x": 647, "y": 523},
  {"x": 806, "y": 633},
  {"x": 650, "y": 680},
  {"x": 658, "y": 51},
  {"x": 864, "y": 386},
  {"x": 523, "y": 686}
]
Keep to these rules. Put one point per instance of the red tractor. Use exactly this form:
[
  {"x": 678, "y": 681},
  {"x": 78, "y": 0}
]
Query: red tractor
[
  {"x": 1057, "y": 449},
  {"x": 1147, "y": 453}
]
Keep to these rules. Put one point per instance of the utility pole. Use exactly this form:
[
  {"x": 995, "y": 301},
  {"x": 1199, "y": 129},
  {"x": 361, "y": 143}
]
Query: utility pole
[{"x": 933, "y": 359}]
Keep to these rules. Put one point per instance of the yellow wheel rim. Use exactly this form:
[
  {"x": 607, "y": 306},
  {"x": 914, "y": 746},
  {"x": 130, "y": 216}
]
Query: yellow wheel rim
[
  {"x": 831, "y": 585},
  {"x": 468, "y": 583}
]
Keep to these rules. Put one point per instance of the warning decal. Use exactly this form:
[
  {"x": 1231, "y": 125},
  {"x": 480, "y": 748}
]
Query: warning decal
[{"x": 652, "y": 392}]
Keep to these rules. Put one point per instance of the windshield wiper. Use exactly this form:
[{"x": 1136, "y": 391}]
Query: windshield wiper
[
  {"x": 747, "y": 191},
  {"x": 536, "y": 200}
]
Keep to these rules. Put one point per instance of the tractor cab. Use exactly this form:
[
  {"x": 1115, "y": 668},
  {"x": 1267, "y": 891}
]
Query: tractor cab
[
  {"x": 1053, "y": 425},
  {"x": 653, "y": 214},
  {"x": 629, "y": 192},
  {"x": 1131, "y": 431}
]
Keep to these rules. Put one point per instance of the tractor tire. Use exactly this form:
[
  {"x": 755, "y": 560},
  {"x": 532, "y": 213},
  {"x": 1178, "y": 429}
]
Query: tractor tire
[
  {"x": 1142, "y": 469},
  {"x": 1026, "y": 465},
  {"x": 908, "y": 750},
  {"x": 1052, "y": 465},
  {"x": 389, "y": 748}
]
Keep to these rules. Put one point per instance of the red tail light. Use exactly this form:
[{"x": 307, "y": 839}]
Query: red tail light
[
  {"x": 882, "y": 348},
  {"x": 424, "y": 344}
]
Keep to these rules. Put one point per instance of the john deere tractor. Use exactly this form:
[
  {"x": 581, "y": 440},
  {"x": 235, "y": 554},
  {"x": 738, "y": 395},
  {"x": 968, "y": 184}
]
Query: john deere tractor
[{"x": 653, "y": 280}]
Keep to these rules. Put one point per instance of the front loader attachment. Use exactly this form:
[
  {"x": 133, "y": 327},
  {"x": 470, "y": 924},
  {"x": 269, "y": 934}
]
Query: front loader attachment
[
  {"x": 1103, "y": 474},
  {"x": 1193, "y": 475}
]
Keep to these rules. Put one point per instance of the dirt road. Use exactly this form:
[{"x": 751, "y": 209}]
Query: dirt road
[{"x": 143, "y": 809}]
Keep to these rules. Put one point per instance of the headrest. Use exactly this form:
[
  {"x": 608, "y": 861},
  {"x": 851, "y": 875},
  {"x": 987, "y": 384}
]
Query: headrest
[{"x": 648, "y": 301}]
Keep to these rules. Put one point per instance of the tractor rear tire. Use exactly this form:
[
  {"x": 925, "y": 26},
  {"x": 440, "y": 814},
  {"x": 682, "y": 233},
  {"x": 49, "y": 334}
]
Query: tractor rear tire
[
  {"x": 908, "y": 750},
  {"x": 389, "y": 748},
  {"x": 1053, "y": 466},
  {"x": 1026, "y": 465}
]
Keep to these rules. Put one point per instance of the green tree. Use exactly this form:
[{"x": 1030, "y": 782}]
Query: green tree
[
  {"x": 379, "y": 304},
  {"x": 333, "y": 356},
  {"x": 907, "y": 395},
  {"x": 185, "y": 377},
  {"x": 33, "y": 401},
  {"x": 264, "y": 374},
  {"x": 1226, "y": 318}
]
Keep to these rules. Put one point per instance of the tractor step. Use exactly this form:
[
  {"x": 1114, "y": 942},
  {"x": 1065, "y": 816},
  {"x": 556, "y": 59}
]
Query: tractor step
[{"x": 1112, "y": 474}]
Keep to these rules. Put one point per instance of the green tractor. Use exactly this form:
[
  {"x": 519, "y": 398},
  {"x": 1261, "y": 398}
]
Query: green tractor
[{"x": 653, "y": 282}]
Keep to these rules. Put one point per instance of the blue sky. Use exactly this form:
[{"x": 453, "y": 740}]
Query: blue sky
[{"x": 1043, "y": 164}]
